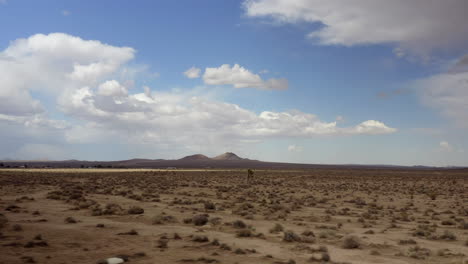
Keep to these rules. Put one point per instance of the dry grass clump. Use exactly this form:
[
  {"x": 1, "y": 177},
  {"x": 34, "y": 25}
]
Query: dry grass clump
[
  {"x": 424, "y": 231},
  {"x": 162, "y": 243},
  {"x": 135, "y": 210},
  {"x": 351, "y": 242},
  {"x": 200, "y": 220},
  {"x": 418, "y": 252},
  {"x": 244, "y": 233},
  {"x": 290, "y": 236},
  {"x": 70, "y": 220},
  {"x": 239, "y": 224},
  {"x": 17, "y": 228},
  {"x": 132, "y": 232},
  {"x": 209, "y": 205},
  {"x": 447, "y": 235},
  {"x": 200, "y": 239},
  {"x": 276, "y": 228},
  {"x": 3, "y": 221},
  {"x": 407, "y": 242},
  {"x": 162, "y": 218}
]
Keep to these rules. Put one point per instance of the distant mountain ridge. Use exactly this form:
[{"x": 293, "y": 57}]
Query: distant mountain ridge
[{"x": 225, "y": 160}]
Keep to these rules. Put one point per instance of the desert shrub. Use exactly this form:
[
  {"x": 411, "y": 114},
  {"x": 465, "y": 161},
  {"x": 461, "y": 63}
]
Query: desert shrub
[
  {"x": 215, "y": 220},
  {"x": 225, "y": 247},
  {"x": 215, "y": 242},
  {"x": 96, "y": 212},
  {"x": 351, "y": 242},
  {"x": 161, "y": 219},
  {"x": 308, "y": 233},
  {"x": 200, "y": 239},
  {"x": 407, "y": 242},
  {"x": 240, "y": 251},
  {"x": 424, "y": 231},
  {"x": 3, "y": 221},
  {"x": 290, "y": 236},
  {"x": 244, "y": 233},
  {"x": 200, "y": 220},
  {"x": 28, "y": 259},
  {"x": 463, "y": 225},
  {"x": 433, "y": 195},
  {"x": 70, "y": 220},
  {"x": 239, "y": 224},
  {"x": 448, "y": 222},
  {"x": 418, "y": 252},
  {"x": 132, "y": 232},
  {"x": 112, "y": 209},
  {"x": 162, "y": 243},
  {"x": 447, "y": 235},
  {"x": 276, "y": 228},
  {"x": 210, "y": 205},
  {"x": 135, "y": 210},
  {"x": 32, "y": 244},
  {"x": 325, "y": 256}
]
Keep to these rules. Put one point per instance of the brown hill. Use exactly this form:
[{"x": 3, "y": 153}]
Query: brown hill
[
  {"x": 227, "y": 156},
  {"x": 195, "y": 157}
]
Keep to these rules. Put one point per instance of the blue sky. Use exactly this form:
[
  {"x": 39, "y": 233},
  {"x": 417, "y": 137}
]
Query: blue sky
[{"x": 276, "y": 80}]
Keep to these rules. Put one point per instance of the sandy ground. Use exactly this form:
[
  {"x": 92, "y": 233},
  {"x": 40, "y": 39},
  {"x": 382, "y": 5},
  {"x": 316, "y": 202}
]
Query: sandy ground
[{"x": 216, "y": 216}]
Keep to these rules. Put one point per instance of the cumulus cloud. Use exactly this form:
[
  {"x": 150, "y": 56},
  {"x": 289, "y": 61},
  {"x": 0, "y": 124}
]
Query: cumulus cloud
[
  {"x": 192, "y": 73},
  {"x": 240, "y": 77},
  {"x": 52, "y": 64},
  {"x": 82, "y": 78},
  {"x": 418, "y": 26},
  {"x": 445, "y": 146},
  {"x": 294, "y": 148},
  {"x": 157, "y": 112}
]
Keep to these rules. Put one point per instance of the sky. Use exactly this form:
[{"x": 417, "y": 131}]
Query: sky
[{"x": 309, "y": 81}]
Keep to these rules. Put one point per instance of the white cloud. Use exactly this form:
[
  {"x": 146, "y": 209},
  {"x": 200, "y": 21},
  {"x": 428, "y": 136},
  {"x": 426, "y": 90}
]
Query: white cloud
[
  {"x": 294, "y": 148},
  {"x": 240, "y": 77},
  {"x": 87, "y": 81},
  {"x": 162, "y": 116},
  {"x": 419, "y": 26},
  {"x": 448, "y": 93},
  {"x": 193, "y": 73},
  {"x": 372, "y": 127},
  {"x": 52, "y": 64},
  {"x": 445, "y": 146},
  {"x": 112, "y": 88},
  {"x": 66, "y": 12}
]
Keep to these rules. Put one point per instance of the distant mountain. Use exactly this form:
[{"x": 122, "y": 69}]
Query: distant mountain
[
  {"x": 228, "y": 156},
  {"x": 226, "y": 160},
  {"x": 194, "y": 157}
]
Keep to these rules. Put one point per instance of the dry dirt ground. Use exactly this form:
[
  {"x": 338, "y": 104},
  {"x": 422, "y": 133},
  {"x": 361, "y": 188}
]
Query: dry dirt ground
[{"x": 216, "y": 216}]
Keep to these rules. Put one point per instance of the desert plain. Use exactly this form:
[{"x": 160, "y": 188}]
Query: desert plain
[{"x": 329, "y": 215}]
